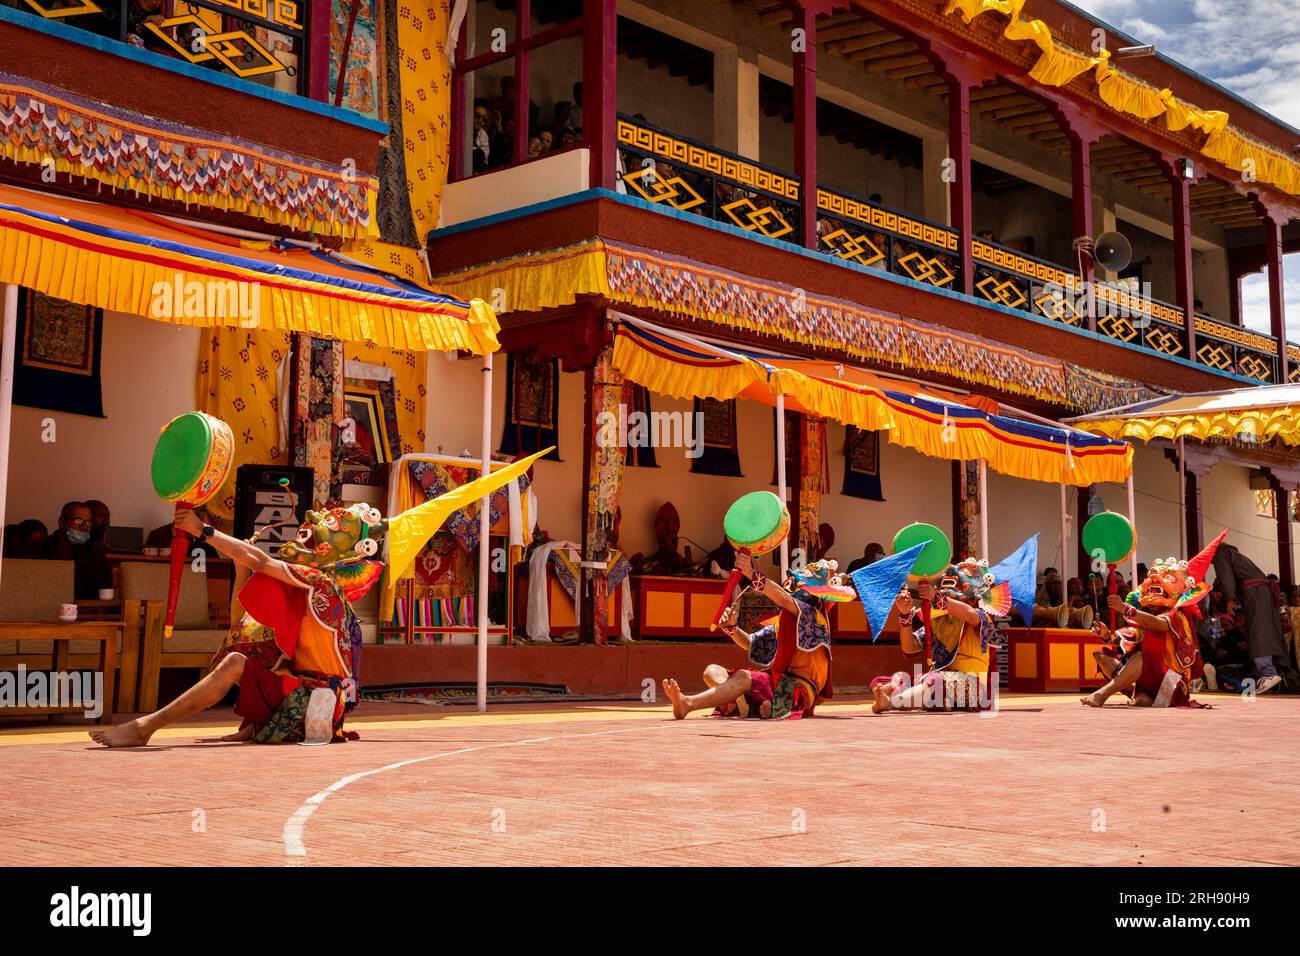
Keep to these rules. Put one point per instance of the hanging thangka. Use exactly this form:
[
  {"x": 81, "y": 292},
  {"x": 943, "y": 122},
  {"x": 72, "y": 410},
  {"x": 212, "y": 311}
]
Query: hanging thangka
[
  {"x": 862, "y": 464},
  {"x": 636, "y": 399},
  {"x": 369, "y": 440},
  {"x": 317, "y": 413},
  {"x": 532, "y": 404},
  {"x": 360, "y": 77},
  {"x": 59, "y": 345},
  {"x": 719, "y": 449}
]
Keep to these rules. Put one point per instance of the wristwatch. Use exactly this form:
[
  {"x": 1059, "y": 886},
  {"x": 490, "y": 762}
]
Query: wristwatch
[{"x": 207, "y": 532}]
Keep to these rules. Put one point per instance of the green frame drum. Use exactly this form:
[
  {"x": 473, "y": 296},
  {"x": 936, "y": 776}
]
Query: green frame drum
[
  {"x": 192, "y": 458},
  {"x": 757, "y": 522},
  {"x": 934, "y": 558},
  {"x": 1109, "y": 537}
]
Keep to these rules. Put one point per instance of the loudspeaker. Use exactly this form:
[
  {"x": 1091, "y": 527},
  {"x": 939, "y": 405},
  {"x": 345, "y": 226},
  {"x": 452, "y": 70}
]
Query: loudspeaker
[
  {"x": 1112, "y": 251},
  {"x": 261, "y": 501}
]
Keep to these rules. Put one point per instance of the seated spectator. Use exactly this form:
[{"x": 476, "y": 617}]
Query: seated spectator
[
  {"x": 563, "y": 109},
  {"x": 482, "y": 142},
  {"x": 568, "y": 137},
  {"x": 546, "y": 139},
  {"x": 72, "y": 543},
  {"x": 1051, "y": 593},
  {"x": 502, "y": 151},
  {"x": 26, "y": 539},
  {"x": 870, "y": 555},
  {"x": 535, "y": 147},
  {"x": 575, "y": 114},
  {"x": 100, "y": 518},
  {"x": 1074, "y": 595}
]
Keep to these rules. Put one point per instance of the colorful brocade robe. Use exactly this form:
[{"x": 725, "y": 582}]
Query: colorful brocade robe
[
  {"x": 796, "y": 651},
  {"x": 305, "y": 634},
  {"x": 1169, "y": 660}
]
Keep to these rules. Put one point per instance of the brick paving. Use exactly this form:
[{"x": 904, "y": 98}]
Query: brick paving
[{"x": 1044, "y": 782}]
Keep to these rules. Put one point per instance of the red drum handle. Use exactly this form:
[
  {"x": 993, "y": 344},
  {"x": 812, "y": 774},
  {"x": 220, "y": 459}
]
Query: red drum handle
[
  {"x": 180, "y": 549},
  {"x": 1112, "y": 588},
  {"x": 733, "y": 579},
  {"x": 925, "y": 619}
]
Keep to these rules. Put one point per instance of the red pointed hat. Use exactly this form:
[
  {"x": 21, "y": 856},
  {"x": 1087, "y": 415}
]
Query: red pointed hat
[{"x": 1198, "y": 565}]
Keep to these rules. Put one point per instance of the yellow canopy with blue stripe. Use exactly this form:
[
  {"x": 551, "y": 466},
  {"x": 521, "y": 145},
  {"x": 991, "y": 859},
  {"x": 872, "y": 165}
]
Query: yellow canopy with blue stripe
[
  {"x": 930, "y": 421},
  {"x": 136, "y": 262}
]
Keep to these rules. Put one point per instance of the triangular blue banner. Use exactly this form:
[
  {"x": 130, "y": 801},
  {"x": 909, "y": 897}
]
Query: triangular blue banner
[
  {"x": 878, "y": 585},
  {"x": 1020, "y": 569}
]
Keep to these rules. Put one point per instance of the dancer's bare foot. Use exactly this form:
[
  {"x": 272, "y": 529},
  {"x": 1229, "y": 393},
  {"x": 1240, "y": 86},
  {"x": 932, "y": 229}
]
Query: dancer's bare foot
[
  {"x": 240, "y": 736},
  {"x": 677, "y": 697},
  {"x": 881, "y": 693},
  {"x": 1093, "y": 700},
  {"x": 130, "y": 734}
]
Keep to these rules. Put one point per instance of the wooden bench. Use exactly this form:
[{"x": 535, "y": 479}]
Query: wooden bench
[
  {"x": 31, "y": 635},
  {"x": 197, "y": 636}
]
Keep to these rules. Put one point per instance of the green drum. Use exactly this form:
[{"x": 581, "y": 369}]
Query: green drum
[
  {"x": 192, "y": 458},
  {"x": 934, "y": 557},
  {"x": 1109, "y": 538},
  {"x": 757, "y": 522}
]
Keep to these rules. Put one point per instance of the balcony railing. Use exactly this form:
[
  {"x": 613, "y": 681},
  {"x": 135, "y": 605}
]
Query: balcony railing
[
  {"x": 670, "y": 170},
  {"x": 264, "y": 41}
]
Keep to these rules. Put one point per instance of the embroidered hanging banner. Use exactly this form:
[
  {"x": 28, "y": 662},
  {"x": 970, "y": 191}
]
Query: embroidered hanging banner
[
  {"x": 59, "y": 343},
  {"x": 862, "y": 464},
  {"x": 532, "y": 405},
  {"x": 719, "y": 446}
]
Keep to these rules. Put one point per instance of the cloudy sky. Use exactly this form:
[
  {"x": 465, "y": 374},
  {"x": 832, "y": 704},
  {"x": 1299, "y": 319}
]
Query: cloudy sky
[{"x": 1252, "y": 47}]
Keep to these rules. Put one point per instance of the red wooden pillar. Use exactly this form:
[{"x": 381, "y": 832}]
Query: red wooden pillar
[
  {"x": 959, "y": 190},
  {"x": 318, "y": 53},
  {"x": 600, "y": 90},
  {"x": 1081, "y": 183},
  {"x": 523, "y": 29},
  {"x": 1276, "y": 291},
  {"x": 1285, "y": 566},
  {"x": 456, "y": 166},
  {"x": 1182, "y": 226},
  {"x": 805, "y": 121}
]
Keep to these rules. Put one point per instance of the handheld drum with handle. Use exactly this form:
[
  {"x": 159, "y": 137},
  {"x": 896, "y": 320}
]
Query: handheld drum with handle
[
  {"x": 933, "y": 559},
  {"x": 1110, "y": 539},
  {"x": 755, "y": 524},
  {"x": 190, "y": 464}
]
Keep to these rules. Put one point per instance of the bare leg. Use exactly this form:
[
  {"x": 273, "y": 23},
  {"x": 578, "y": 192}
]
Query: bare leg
[
  {"x": 1128, "y": 676},
  {"x": 206, "y": 693},
  {"x": 733, "y": 687},
  {"x": 1106, "y": 664},
  {"x": 714, "y": 675}
]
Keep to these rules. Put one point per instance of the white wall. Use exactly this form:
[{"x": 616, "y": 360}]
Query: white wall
[{"x": 148, "y": 370}]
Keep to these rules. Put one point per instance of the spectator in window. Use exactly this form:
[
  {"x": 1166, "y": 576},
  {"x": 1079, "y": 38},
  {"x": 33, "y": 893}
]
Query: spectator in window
[
  {"x": 562, "y": 111},
  {"x": 535, "y": 148},
  {"x": 568, "y": 137},
  {"x": 482, "y": 145},
  {"x": 502, "y": 151},
  {"x": 546, "y": 139},
  {"x": 575, "y": 112},
  {"x": 505, "y": 103}
]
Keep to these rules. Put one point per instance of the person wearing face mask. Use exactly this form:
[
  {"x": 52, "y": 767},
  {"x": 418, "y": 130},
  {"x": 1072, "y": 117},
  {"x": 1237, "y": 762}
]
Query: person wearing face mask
[{"x": 71, "y": 542}]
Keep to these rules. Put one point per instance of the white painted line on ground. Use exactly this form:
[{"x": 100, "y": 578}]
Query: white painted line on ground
[{"x": 292, "y": 835}]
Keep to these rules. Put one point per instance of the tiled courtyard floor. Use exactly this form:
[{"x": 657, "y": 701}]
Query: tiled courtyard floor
[{"x": 1046, "y": 781}]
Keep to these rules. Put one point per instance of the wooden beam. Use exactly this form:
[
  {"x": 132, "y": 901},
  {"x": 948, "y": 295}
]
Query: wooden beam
[{"x": 889, "y": 63}]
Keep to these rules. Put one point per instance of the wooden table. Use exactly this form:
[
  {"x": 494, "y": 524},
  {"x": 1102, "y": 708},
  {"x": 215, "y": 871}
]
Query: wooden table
[
  {"x": 61, "y": 635},
  {"x": 1042, "y": 659}
]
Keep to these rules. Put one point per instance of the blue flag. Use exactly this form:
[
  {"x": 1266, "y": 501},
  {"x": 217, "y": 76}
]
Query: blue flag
[
  {"x": 1020, "y": 569},
  {"x": 878, "y": 585}
]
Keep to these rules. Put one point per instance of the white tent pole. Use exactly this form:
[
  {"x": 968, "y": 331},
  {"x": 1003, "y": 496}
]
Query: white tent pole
[
  {"x": 7, "y": 345},
  {"x": 1132, "y": 518},
  {"x": 484, "y": 557},
  {"x": 984, "y": 511},
  {"x": 1065, "y": 537},
  {"x": 1182, "y": 500},
  {"x": 780, "y": 478}
]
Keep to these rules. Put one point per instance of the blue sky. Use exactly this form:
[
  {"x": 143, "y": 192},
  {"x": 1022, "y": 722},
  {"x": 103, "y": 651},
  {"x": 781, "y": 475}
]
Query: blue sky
[{"x": 1252, "y": 47}]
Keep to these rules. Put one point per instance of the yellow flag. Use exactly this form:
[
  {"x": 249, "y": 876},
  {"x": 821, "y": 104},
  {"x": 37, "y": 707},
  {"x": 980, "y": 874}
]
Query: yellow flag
[{"x": 410, "y": 531}]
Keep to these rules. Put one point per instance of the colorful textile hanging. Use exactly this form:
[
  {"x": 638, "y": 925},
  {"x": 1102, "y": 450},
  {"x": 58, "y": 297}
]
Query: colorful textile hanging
[
  {"x": 636, "y": 398},
  {"x": 360, "y": 74},
  {"x": 436, "y": 478},
  {"x": 719, "y": 445},
  {"x": 862, "y": 463},
  {"x": 59, "y": 346},
  {"x": 812, "y": 482},
  {"x": 317, "y": 411},
  {"x": 532, "y": 404},
  {"x": 604, "y": 484},
  {"x": 237, "y": 383}
]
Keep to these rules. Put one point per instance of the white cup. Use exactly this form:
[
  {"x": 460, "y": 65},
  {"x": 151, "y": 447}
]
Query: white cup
[
  {"x": 151, "y": 552},
  {"x": 67, "y": 613},
  {"x": 106, "y": 594}
]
